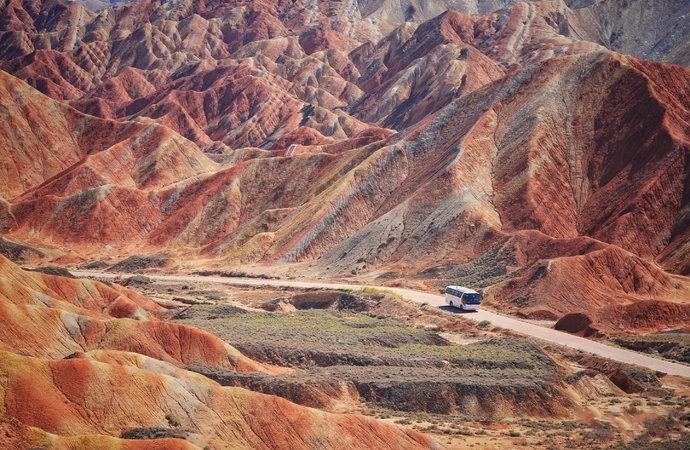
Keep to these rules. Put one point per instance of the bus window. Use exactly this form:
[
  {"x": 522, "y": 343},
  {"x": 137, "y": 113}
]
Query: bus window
[{"x": 472, "y": 299}]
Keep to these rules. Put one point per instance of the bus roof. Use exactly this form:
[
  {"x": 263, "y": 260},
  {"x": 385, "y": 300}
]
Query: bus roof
[{"x": 463, "y": 289}]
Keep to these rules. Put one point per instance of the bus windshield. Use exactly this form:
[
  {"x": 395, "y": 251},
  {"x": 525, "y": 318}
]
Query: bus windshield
[{"x": 472, "y": 299}]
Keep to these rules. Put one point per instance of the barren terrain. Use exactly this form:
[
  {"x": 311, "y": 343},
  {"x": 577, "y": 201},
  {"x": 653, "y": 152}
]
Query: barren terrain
[
  {"x": 467, "y": 383},
  {"x": 505, "y": 146},
  {"x": 228, "y": 223}
]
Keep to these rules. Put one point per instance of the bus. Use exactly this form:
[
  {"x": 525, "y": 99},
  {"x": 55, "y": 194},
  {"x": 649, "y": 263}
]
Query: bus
[{"x": 463, "y": 298}]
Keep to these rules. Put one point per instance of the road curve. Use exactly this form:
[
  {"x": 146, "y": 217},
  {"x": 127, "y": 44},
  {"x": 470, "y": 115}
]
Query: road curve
[{"x": 509, "y": 323}]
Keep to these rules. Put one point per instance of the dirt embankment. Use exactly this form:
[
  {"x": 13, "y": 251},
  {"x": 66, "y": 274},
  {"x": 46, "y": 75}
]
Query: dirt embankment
[
  {"x": 349, "y": 348},
  {"x": 671, "y": 345},
  {"x": 639, "y": 317}
]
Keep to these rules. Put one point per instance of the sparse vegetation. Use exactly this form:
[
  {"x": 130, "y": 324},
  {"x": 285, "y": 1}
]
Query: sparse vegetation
[
  {"x": 51, "y": 270},
  {"x": 675, "y": 346},
  {"x": 483, "y": 324},
  {"x": 153, "y": 433},
  {"x": 342, "y": 337},
  {"x": 136, "y": 280},
  {"x": 234, "y": 274},
  {"x": 17, "y": 252},
  {"x": 373, "y": 292},
  {"x": 389, "y": 362},
  {"x": 405, "y": 371},
  {"x": 140, "y": 262}
]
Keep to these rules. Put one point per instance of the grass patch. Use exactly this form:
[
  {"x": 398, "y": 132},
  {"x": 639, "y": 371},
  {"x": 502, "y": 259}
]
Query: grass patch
[
  {"x": 373, "y": 292},
  {"x": 379, "y": 347},
  {"x": 675, "y": 346}
]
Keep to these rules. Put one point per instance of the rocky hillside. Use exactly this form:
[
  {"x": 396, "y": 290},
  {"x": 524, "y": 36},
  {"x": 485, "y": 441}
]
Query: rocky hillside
[
  {"x": 83, "y": 363},
  {"x": 503, "y": 144},
  {"x": 88, "y": 364}
]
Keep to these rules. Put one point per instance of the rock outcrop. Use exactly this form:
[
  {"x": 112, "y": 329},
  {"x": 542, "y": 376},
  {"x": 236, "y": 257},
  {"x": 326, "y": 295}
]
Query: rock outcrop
[
  {"x": 84, "y": 362},
  {"x": 350, "y": 137}
]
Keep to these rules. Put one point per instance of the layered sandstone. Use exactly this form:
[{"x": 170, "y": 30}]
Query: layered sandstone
[{"x": 350, "y": 138}]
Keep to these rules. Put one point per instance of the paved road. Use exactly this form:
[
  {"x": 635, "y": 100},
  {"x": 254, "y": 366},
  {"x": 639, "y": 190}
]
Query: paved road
[{"x": 510, "y": 323}]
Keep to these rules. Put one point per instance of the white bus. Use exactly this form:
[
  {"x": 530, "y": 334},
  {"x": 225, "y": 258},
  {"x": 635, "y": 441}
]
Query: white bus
[{"x": 463, "y": 298}]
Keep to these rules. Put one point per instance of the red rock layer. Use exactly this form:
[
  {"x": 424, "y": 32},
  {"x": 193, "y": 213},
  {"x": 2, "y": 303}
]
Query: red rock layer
[
  {"x": 272, "y": 132},
  {"x": 549, "y": 278},
  {"x": 77, "y": 397},
  {"x": 53, "y": 316},
  {"x": 85, "y": 377}
]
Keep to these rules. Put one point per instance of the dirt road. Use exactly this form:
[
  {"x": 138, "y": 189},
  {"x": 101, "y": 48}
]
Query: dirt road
[{"x": 509, "y": 323}]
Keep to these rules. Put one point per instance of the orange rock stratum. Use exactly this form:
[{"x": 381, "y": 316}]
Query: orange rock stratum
[
  {"x": 415, "y": 148},
  {"x": 71, "y": 373},
  {"x": 538, "y": 150}
]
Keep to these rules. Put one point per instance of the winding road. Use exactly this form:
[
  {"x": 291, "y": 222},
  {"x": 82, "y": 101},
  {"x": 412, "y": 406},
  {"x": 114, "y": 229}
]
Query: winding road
[{"x": 509, "y": 323}]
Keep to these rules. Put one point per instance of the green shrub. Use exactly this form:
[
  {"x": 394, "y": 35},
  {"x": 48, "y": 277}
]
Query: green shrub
[{"x": 483, "y": 324}]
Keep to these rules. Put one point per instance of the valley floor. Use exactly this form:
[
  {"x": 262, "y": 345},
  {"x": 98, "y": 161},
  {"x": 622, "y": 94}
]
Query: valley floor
[
  {"x": 502, "y": 321},
  {"x": 467, "y": 383}
]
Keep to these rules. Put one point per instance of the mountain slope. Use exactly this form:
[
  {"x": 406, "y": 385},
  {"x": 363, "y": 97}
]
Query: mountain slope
[
  {"x": 311, "y": 143},
  {"x": 73, "y": 366},
  {"x": 77, "y": 398}
]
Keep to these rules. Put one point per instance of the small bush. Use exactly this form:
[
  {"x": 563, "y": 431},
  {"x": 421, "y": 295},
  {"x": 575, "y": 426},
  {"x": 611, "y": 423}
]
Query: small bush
[
  {"x": 172, "y": 421},
  {"x": 152, "y": 433},
  {"x": 632, "y": 410},
  {"x": 137, "y": 280},
  {"x": 483, "y": 324}
]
